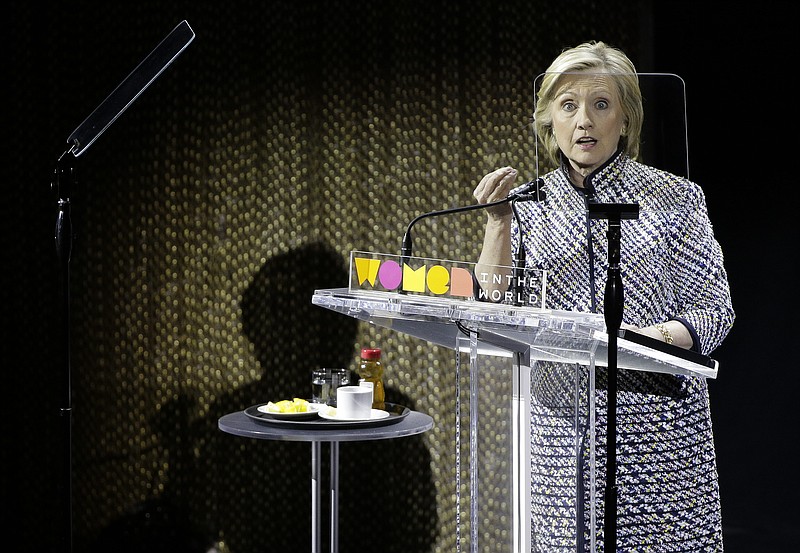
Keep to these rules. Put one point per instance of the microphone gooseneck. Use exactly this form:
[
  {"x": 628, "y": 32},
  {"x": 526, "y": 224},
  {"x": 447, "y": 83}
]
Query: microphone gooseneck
[{"x": 530, "y": 191}]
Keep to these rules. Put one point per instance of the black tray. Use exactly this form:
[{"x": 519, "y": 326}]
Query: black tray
[{"x": 396, "y": 414}]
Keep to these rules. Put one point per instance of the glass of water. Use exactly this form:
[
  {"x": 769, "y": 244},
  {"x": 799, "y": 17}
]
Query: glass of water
[{"x": 324, "y": 383}]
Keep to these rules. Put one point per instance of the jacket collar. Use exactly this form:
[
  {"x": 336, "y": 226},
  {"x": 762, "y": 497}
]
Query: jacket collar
[{"x": 601, "y": 177}]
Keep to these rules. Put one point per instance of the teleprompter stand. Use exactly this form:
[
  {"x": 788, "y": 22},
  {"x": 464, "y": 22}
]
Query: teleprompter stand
[
  {"x": 63, "y": 184},
  {"x": 613, "y": 302}
]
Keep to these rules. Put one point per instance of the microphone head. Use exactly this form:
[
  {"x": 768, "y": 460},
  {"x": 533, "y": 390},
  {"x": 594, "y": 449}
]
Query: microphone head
[{"x": 530, "y": 191}]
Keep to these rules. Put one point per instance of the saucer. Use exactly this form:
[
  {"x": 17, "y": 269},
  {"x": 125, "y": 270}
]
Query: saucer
[{"x": 329, "y": 413}]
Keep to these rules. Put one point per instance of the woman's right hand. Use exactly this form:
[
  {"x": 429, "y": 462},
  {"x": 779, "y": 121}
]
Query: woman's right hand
[
  {"x": 495, "y": 257},
  {"x": 495, "y": 186}
]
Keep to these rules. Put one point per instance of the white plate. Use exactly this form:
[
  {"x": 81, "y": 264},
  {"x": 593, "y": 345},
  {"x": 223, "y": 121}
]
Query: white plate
[
  {"x": 330, "y": 414},
  {"x": 313, "y": 410}
]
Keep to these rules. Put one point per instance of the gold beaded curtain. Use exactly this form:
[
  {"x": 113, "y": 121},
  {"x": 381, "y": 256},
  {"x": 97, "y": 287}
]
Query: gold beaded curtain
[{"x": 288, "y": 134}]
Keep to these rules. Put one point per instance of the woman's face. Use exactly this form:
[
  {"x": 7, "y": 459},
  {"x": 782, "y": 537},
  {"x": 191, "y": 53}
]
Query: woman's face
[{"x": 587, "y": 121}]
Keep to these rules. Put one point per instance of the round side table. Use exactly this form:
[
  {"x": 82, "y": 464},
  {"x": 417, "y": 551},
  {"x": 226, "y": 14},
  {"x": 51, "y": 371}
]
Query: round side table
[{"x": 239, "y": 424}]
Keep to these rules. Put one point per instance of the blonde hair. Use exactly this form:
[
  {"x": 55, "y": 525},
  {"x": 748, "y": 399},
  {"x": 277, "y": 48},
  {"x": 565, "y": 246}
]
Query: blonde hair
[{"x": 588, "y": 57}]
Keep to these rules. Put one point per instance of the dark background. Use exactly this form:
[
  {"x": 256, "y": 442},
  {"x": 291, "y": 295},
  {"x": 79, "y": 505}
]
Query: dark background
[
  {"x": 61, "y": 60},
  {"x": 732, "y": 58}
]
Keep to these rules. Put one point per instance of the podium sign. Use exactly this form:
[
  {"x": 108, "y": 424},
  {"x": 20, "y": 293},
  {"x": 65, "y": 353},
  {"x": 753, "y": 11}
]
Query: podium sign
[
  {"x": 442, "y": 278},
  {"x": 519, "y": 359}
]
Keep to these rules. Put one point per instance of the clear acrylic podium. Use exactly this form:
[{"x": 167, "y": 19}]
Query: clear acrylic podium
[{"x": 513, "y": 354}]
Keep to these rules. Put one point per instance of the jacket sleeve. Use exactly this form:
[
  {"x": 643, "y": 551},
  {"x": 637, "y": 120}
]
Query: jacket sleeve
[{"x": 699, "y": 276}]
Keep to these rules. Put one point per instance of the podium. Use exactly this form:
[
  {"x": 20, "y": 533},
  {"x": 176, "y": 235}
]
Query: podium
[{"x": 511, "y": 361}]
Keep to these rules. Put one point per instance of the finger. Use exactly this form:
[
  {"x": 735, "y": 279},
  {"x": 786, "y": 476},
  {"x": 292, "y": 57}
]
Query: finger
[
  {"x": 503, "y": 184},
  {"x": 493, "y": 181}
]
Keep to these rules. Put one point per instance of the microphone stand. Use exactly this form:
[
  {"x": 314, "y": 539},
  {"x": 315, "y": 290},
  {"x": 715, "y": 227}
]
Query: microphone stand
[
  {"x": 531, "y": 190},
  {"x": 613, "y": 305},
  {"x": 81, "y": 138},
  {"x": 519, "y": 262}
]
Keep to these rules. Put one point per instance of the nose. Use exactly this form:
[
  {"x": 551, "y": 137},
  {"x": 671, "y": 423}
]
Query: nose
[{"x": 584, "y": 121}]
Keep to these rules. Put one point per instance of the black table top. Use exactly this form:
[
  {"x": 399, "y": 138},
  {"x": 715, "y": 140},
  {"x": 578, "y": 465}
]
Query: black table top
[{"x": 240, "y": 424}]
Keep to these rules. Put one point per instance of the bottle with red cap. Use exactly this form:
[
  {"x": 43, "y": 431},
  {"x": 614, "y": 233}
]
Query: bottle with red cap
[{"x": 371, "y": 370}]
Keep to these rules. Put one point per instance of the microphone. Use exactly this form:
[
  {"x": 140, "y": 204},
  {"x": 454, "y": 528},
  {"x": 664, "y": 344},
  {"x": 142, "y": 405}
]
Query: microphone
[{"x": 530, "y": 191}]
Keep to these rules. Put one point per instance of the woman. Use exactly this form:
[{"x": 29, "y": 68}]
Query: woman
[{"x": 588, "y": 118}]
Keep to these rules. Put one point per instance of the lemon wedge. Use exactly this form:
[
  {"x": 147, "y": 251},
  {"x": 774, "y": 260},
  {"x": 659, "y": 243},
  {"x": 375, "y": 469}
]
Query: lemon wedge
[{"x": 295, "y": 405}]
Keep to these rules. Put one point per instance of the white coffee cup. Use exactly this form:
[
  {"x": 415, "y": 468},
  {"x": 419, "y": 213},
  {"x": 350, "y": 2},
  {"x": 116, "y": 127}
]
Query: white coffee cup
[{"x": 353, "y": 402}]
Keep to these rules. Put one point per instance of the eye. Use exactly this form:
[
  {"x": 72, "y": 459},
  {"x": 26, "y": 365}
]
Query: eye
[
  {"x": 569, "y": 106},
  {"x": 602, "y": 104}
]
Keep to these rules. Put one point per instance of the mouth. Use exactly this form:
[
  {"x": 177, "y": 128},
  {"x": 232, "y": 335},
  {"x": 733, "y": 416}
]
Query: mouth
[{"x": 585, "y": 143}]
